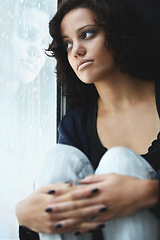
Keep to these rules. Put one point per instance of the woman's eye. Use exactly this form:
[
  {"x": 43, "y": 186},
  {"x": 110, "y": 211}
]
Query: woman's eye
[
  {"x": 67, "y": 45},
  {"x": 88, "y": 34}
]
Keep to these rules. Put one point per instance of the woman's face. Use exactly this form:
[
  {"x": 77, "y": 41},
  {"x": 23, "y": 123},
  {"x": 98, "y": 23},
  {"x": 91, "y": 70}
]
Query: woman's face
[
  {"x": 25, "y": 54},
  {"x": 85, "y": 44},
  {"x": 31, "y": 40}
]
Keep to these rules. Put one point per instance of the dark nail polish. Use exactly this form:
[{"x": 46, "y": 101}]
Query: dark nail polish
[
  {"x": 51, "y": 192},
  {"x": 77, "y": 233},
  {"x": 48, "y": 210},
  {"x": 100, "y": 226},
  {"x": 58, "y": 225},
  {"x": 92, "y": 218},
  {"x": 95, "y": 190},
  {"x": 103, "y": 209},
  {"x": 91, "y": 231}
]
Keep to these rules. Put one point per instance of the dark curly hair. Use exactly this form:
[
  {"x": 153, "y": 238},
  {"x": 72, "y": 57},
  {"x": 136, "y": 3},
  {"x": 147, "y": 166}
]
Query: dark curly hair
[{"x": 133, "y": 44}]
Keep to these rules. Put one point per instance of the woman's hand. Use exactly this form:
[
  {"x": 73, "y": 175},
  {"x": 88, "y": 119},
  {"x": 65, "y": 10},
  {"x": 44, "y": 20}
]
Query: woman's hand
[
  {"x": 32, "y": 211},
  {"x": 101, "y": 198},
  {"x": 35, "y": 212},
  {"x": 87, "y": 206}
]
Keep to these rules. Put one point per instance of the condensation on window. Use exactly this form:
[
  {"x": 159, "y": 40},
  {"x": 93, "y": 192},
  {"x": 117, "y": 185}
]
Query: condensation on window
[{"x": 27, "y": 101}]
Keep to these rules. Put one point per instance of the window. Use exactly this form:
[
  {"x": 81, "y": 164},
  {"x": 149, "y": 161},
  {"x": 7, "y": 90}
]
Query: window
[{"x": 27, "y": 101}]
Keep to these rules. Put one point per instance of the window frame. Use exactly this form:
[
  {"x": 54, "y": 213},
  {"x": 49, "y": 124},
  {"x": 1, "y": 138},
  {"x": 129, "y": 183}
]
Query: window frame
[{"x": 61, "y": 100}]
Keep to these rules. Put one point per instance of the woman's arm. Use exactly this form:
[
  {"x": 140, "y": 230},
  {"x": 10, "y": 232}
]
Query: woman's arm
[{"x": 116, "y": 196}]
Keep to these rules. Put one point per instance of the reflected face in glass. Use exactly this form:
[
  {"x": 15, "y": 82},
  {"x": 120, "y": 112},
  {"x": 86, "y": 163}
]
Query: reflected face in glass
[
  {"x": 30, "y": 40},
  {"x": 85, "y": 44}
]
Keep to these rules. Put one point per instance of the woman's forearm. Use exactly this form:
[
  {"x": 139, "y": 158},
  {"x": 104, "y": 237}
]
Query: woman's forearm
[{"x": 150, "y": 189}]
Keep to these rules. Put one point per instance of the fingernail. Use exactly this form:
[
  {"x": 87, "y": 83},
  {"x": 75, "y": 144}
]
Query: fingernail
[
  {"x": 77, "y": 233},
  {"x": 100, "y": 226},
  {"x": 95, "y": 190},
  {"x": 103, "y": 209},
  {"x": 91, "y": 231},
  {"x": 58, "y": 225},
  {"x": 51, "y": 192},
  {"x": 92, "y": 218},
  {"x": 68, "y": 183},
  {"x": 48, "y": 210}
]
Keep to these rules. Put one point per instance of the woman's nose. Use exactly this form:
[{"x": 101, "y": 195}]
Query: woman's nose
[
  {"x": 35, "y": 48},
  {"x": 79, "y": 50},
  {"x": 34, "y": 51}
]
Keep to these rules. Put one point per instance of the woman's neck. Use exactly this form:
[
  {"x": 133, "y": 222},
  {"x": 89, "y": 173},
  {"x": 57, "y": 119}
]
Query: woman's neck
[{"x": 121, "y": 91}]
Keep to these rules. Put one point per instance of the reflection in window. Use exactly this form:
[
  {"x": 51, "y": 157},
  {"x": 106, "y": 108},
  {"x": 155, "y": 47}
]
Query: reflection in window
[{"x": 27, "y": 101}]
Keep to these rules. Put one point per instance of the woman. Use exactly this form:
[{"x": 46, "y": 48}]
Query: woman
[{"x": 108, "y": 66}]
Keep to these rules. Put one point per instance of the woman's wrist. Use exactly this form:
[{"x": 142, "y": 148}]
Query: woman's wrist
[
  {"x": 19, "y": 213},
  {"x": 150, "y": 189}
]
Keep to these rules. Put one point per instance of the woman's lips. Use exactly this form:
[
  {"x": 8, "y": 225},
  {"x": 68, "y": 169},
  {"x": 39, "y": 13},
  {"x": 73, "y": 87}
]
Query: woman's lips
[
  {"x": 31, "y": 66},
  {"x": 84, "y": 64}
]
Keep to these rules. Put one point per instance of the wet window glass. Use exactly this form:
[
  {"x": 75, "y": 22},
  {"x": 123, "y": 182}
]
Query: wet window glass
[{"x": 27, "y": 101}]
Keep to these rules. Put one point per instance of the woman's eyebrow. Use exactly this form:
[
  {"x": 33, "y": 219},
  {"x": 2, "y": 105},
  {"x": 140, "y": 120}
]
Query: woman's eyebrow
[
  {"x": 88, "y": 25},
  {"x": 80, "y": 29},
  {"x": 63, "y": 37}
]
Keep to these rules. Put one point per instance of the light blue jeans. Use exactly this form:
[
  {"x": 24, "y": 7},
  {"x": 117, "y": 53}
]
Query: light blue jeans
[{"x": 64, "y": 163}]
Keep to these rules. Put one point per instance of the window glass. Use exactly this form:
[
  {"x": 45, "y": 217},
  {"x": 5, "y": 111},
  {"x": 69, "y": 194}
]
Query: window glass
[{"x": 27, "y": 101}]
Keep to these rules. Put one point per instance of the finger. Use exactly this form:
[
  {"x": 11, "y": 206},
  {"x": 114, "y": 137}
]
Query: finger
[
  {"x": 77, "y": 225},
  {"x": 84, "y": 192},
  {"x": 58, "y": 229},
  {"x": 84, "y": 213},
  {"x": 93, "y": 179},
  {"x": 74, "y": 193},
  {"x": 55, "y": 189},
  {"x": 90, "y": 227},
  {"x": 71, "y": 205}
]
